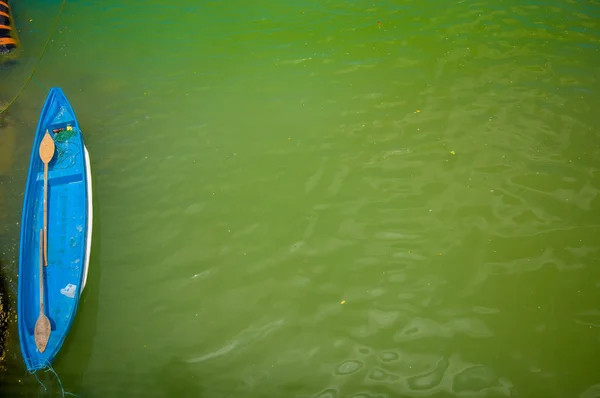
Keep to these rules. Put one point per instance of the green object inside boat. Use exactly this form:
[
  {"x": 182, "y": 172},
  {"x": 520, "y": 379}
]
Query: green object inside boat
[{"x": 64, "y": 135}]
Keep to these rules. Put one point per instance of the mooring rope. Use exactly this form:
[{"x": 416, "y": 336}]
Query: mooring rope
[
  {"x": 62, "y": 6},
  {"x": 49, "y": 368}
]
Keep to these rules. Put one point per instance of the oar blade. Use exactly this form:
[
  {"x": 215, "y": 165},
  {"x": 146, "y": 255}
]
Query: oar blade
[
  {"x": 42, "y": 332},
  {"x": 47, "y": 148}
]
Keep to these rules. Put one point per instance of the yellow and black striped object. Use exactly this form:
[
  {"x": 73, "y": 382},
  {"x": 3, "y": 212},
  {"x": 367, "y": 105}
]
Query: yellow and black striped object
[{"x": 8, "y": 35}]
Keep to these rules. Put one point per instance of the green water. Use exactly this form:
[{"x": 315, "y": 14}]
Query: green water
[{"x": 292, "y": 200}]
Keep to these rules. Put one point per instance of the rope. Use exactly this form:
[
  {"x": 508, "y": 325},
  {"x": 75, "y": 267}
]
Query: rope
[
  {"x": 49, "y": 368},
  {"x": 62, "y": 6}
]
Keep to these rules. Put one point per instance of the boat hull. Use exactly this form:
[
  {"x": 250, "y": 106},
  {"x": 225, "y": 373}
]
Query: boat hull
[{"x": 68, "y": 234}]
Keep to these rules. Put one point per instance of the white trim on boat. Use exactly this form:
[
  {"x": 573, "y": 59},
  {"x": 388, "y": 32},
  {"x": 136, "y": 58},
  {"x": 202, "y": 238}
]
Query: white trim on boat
[{"x": 88, "y": 240}]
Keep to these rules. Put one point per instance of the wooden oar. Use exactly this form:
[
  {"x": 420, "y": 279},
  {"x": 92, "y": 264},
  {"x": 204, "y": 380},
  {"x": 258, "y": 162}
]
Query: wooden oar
[
  {"x": 41, "y": 332},
  {"x": 46, "y": 153}
]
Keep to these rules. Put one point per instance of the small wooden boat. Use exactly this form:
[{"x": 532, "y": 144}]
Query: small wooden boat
[{"x": 56, "y": 229}]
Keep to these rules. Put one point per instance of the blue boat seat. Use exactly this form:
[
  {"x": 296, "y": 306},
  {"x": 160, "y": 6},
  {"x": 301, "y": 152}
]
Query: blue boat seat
[
  {"x": 61, "y": 125},
  {"x": 60, "y": 177}
]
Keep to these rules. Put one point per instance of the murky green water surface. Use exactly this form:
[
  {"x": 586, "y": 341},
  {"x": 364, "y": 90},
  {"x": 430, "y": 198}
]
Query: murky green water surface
[{"x": 294, "y": 200}]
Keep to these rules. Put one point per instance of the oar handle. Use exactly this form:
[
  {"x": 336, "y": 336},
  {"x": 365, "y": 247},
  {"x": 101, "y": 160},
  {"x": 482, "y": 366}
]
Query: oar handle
[
  {"x": 41, "y": 273},
  {"x": 45, "y": 214}
]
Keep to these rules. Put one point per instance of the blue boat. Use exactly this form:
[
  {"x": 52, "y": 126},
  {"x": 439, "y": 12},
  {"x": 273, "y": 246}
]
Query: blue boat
[{"x": 68, "y": 233}]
